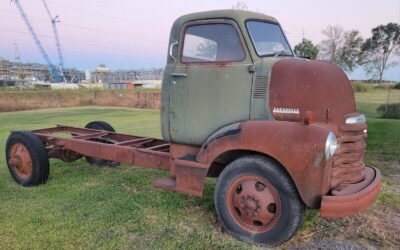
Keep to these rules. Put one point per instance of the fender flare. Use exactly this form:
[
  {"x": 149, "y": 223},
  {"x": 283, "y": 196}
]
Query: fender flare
[{"x": 297, "y": 147}]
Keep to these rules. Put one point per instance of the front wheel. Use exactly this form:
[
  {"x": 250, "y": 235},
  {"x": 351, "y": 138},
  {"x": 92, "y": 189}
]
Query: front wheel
[{"x": 257, "y": 201}]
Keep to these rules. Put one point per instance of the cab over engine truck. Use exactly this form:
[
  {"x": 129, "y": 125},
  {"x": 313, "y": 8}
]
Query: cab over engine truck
[{"x": 280, "y": 133}]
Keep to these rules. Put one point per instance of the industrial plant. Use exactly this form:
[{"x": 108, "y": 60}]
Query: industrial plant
[
  {"x": 50, "y": 75},
  {"x": 34, "y": 75}
]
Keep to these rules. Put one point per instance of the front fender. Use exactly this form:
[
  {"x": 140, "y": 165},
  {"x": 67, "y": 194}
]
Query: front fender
[{"x": 297, "y": 147}]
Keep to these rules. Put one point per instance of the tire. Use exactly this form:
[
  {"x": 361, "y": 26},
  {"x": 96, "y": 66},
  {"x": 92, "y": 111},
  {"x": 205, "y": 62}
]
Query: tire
[
  {"x": 27, "y": 159},
  {"x": 98, "y": 125},
  {"x": 257, "y": 201}
]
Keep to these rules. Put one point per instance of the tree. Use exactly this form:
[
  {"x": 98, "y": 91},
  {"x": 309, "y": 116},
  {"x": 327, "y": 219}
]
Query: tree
[
  {"x": 330, "y": 47},
  {"x": 306, "y": 49},
  {"x": 341, "y": 47},
  {"x": 351, "y": 54},
  {"x": 384, "y": 42}
]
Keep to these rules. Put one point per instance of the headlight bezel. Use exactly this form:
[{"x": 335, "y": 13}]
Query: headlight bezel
[
  {"x": 331, "y": 145},
  {"x": 356, "y": 119}
]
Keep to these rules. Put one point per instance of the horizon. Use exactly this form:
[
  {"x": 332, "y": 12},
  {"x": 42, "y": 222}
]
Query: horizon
[{"x": 125, "y": 35}]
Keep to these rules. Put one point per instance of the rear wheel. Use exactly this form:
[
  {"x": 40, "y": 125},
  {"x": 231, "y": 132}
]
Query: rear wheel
[
  {"x": 99, "y": 125},
  {"x": 258, "y": 202},
  {"x": 27, "y": 158}
]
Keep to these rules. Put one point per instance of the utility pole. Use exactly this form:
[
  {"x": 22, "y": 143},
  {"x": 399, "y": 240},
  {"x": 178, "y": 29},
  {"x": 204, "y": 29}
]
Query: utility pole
[{"x": 16, "y": 54}]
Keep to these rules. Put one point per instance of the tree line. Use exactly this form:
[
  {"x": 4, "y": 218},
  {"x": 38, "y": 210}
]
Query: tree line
[{"x": 348, "y": 49}]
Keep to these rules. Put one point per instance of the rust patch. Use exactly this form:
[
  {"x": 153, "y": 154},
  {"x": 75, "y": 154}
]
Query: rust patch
[
  {"x": 136, "y": 150},
  {"x": 20, "y": 161},
  {"x": 348, "y": 161},
  {"x": 254, "y": 203},
  {"x": 351, "y": 200},
  {"x": 312, "y": 85},
  {"x": 296, "y": 146}
]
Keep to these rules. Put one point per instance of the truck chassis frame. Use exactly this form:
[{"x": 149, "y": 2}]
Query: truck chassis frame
[{"x": 115, "y": 147}]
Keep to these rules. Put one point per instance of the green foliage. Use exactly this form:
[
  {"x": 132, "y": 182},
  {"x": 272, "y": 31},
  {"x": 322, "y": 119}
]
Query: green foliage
[
  {"x": 397, "y": 86},
  {"x": 351, "y": 52},
  {"x": 306, "y": 49},
  {"x": 390, "y": 111},
  {"x": 377, "y": 50}
]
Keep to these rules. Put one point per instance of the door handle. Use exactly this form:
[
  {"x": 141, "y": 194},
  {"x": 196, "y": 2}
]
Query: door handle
[
  {"x": 171, "y": 54},
  {"x": 179, "y": 74}
]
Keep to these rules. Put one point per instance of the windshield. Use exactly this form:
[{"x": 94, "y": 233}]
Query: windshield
[{"x": 268, "y": 39}]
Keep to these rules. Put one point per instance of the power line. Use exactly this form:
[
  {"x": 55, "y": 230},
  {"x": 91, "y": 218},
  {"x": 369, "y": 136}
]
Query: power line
[
  {"x": 84, "y": 42},
  {"x": 106, "y": 15},
  {"x": 96, "y": 44},
  {"x": 110, "y": 33},
  {"x": 125, "y": 35}
]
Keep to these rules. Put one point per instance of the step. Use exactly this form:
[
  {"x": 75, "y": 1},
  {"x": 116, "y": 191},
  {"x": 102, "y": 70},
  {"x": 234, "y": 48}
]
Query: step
[
  {"x": 168, "y": 183},
  {"x": 189, "y": 161}
]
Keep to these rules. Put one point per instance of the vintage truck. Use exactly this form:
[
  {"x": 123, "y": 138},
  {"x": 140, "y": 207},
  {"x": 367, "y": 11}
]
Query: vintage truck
[{"x": 280, "y": 132}]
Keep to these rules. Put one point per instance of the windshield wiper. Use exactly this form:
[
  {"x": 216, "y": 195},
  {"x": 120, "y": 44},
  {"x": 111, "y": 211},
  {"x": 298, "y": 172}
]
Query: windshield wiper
[{"x": 281, "y": 53}]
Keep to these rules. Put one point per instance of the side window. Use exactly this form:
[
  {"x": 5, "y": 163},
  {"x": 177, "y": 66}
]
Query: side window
[{"x": 212, "y": 43}]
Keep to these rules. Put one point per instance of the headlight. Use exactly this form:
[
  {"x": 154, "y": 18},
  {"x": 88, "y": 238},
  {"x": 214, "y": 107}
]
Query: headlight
[
  {"x": 330, "y": 145},
  {"x": 355, "y": 119}
]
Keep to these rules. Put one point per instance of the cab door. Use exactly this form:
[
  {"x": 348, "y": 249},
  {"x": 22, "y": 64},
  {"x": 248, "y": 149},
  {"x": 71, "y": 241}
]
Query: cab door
[{"x": 211, "y": 82}]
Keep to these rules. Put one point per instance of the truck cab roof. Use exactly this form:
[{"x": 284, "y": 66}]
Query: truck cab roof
[{"x": 238, "y": 15}]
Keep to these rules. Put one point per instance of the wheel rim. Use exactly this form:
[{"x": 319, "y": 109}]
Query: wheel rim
[
  {"x": 20, "y": 161},
  {"x": 254, "y": 203}
]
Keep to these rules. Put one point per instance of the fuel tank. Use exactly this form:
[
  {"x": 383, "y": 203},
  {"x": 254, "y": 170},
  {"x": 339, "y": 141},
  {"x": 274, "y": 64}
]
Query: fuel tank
[{"x": 318, "y": 89}]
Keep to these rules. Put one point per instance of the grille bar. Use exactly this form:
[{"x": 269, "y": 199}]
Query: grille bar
[
  {"x": 348, "y": 161},
  {"x": 260, "y": 87}
]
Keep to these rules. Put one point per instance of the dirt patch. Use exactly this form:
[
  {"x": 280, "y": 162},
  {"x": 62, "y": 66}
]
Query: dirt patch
[
  {"x": 396, "y": 165},
  {"x": 376, "y": 229},
  {"x": 334, "y": 243},
  {"x": 381, "y": 227}
]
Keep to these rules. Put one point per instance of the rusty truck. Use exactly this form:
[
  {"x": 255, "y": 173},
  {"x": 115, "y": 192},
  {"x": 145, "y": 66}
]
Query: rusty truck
[{"x": 279, "y": 132}]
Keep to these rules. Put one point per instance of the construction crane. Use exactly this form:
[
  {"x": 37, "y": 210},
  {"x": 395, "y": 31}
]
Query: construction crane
[
  {"x": 53, "y": 69},
  {"x": 55, "y": 20}
]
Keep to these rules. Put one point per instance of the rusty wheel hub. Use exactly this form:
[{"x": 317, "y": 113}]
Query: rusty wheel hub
[
  {"x": 254, "y": 203},
  {"x": 250, "y": 205},
  {"x": 20, "y": 161}
]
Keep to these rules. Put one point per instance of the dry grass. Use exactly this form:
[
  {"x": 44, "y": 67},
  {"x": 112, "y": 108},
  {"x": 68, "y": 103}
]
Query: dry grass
[{"x": 30, "y": 100}]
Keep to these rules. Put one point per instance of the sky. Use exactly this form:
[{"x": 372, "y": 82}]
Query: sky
[{"x": 134, "y": 34}]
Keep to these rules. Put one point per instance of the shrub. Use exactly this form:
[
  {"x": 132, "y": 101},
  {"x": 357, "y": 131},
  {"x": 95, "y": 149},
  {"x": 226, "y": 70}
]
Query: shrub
[
  {"x": 397, "y": 86},
  {"x": 361, "y": 87},
  {"x": 391, "y": 111},
  {"x": 385, "y": 86}
]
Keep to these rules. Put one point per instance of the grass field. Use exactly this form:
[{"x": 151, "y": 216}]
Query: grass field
[{"x": 89, "y": 207}]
